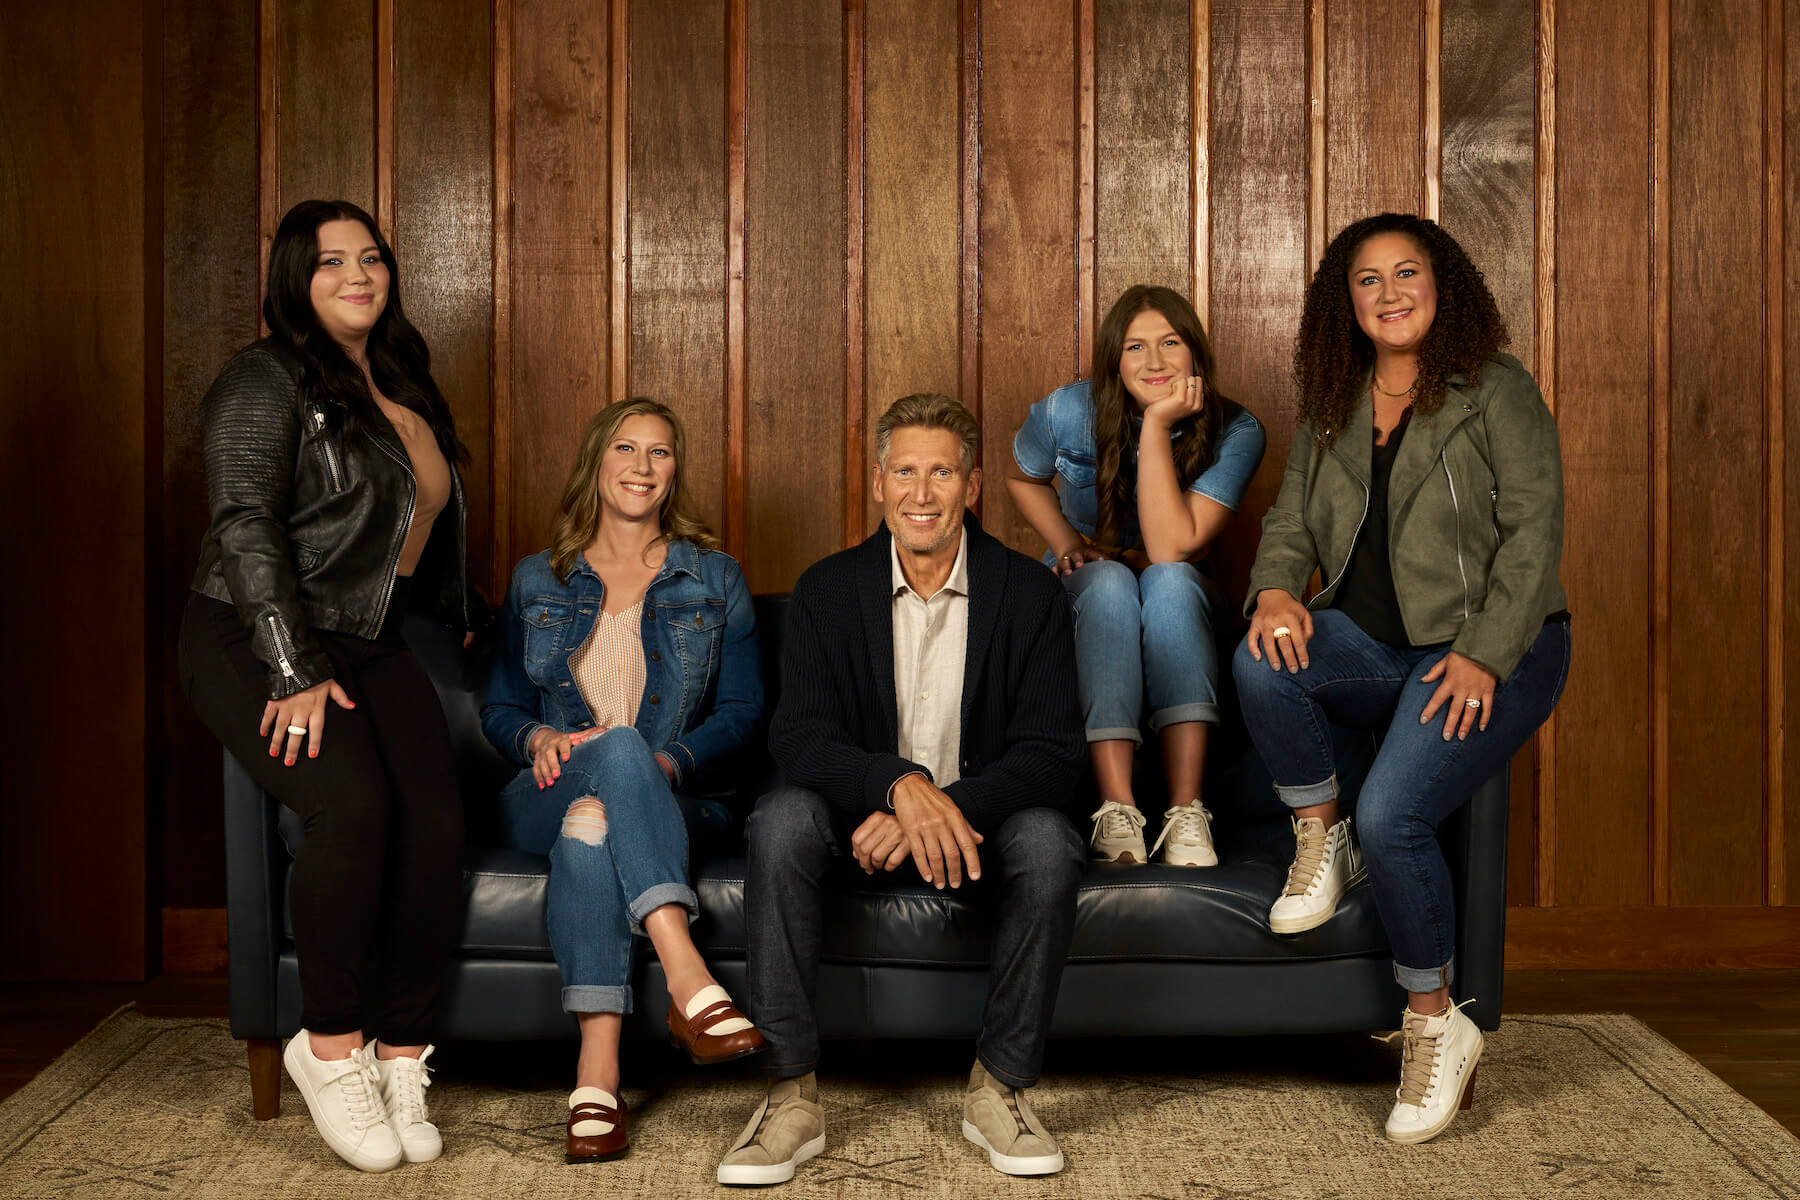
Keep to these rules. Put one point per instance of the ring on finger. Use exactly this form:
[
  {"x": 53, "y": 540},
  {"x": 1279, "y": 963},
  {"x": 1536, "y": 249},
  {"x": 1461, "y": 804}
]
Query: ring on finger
[
  {"x": 298, "y": 730},
  {"x": 1472, "y": 703},
  {"x": 1281, "y": 631}
]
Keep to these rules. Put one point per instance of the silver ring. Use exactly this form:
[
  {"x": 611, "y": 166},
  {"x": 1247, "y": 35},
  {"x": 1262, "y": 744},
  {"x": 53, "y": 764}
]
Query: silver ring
[
  {"x": 1472, "y": 702},
  {"x": 299, "y": 730}
]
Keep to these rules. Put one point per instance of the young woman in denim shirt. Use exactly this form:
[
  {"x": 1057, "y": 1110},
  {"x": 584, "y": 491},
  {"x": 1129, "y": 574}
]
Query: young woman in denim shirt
[
  {"x": 1129, "y": 476},
  {"x": 627, "y": 673}
]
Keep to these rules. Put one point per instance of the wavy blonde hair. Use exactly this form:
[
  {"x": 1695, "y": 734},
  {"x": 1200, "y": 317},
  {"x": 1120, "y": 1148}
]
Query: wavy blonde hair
[{"x": 578, "y": 515}]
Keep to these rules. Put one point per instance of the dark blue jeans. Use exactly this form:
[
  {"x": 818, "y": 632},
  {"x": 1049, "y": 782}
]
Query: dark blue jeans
[
  {"x": 1031, "y": 865},
  {"x": 1418, "y": 779}
]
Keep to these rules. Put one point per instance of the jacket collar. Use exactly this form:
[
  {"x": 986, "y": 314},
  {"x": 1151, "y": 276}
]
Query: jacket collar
[{"x": 683, "y": 558}]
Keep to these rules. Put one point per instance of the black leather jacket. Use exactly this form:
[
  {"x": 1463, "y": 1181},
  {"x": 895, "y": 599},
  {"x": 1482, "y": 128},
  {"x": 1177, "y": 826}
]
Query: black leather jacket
[{"x": 307, "y": 524}]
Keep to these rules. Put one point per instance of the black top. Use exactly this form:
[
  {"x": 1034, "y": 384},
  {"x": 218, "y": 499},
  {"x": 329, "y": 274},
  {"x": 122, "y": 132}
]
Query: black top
[
  {"x": 835, "y": 729},
  {"x": 1366, "y": 592}
]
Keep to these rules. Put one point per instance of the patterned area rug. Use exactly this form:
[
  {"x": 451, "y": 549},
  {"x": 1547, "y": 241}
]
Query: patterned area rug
[{"x": 1576, "y": 1106}]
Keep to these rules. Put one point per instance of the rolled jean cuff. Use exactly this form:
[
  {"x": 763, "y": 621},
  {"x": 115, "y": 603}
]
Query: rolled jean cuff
[
  {"x": 1006, "y": 1077},
  {"x": 1425, "y": 979},
  {"x": 1305, "y": 795},
  {"x": 1200, "y": 710},
  {"x": 1120, "y": 734},
  {"x": 788, "y": 1070},
  {"x": 596, "y": 998},
  {"x": 663, "y": 893}
]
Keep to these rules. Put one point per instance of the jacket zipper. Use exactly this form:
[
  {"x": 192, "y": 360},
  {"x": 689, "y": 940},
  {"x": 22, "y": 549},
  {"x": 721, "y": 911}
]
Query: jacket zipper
[
  {"x": 1445, "y": 463},
  {"x": 331, "y": 462},
  {"x": 393, "y": 560},
  {"x": 1349, "y": 553},
  {"x": 1494, "y": 494},
  {"x": 283, "y": 652}
]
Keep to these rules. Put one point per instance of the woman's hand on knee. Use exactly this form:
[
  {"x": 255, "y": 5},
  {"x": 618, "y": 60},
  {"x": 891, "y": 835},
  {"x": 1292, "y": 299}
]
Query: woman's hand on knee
[
  {"x": 1468, "y": 689},
  {"x": 1075, "y": 557},
  {"x": 549, "y": 749},
  {"x": 1279, "y": 631},
  {"x": 299, "y": 718}
]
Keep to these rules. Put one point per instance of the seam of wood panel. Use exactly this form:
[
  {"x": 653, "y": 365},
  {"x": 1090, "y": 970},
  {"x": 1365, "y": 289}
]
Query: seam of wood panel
[
  {"x": 386, "y": 73},
  {"x": 500, "y": 412},
  {"x": 1661, "y": 576},
  {"x": 618, "y": 53},
  {"x": 1086, "y": 176},
  {"x": 268, "y": 140},
  {"x": 856, "y": 473},
  {"x": 968, "y": 319},
  {"x": 1774, "y": 392},
  {"x": 737, "y": 95},
  {"x": 156, "y": 569},
  {"x": 1315, "y": 137},
  {"x": 1544, "y": 337},
  {"x": 1431, "y": 61},
  {"x": 1200, "y": 161}
]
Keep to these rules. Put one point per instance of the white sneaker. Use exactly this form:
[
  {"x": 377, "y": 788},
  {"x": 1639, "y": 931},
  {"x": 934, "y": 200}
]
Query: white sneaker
[
  {"x": 1327, "y": 863},
  {"x": 1437, "y": 1071},
  {"x": 1118, "y": 835},
  {"x": 403, "y": 1084},
  {"x": 1188, "y": 835},
  {"x": 344, "y": 1097}
]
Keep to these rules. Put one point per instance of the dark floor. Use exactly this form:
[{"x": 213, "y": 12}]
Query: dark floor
[{"x": 1743, "y": 1025}]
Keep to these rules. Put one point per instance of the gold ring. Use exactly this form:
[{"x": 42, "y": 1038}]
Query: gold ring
[{"x": 1282, "y": 631}]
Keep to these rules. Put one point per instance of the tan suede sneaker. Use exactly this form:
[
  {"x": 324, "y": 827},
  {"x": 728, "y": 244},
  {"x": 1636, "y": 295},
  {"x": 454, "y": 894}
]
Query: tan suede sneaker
[
  {"x": 999, "y": 1119},
  {"x": 786, "y": 1129}
]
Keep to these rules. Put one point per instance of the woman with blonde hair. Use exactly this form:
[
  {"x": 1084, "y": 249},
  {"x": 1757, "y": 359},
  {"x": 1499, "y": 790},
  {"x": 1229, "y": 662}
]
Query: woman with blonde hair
[{"x": 627, "y": 673}]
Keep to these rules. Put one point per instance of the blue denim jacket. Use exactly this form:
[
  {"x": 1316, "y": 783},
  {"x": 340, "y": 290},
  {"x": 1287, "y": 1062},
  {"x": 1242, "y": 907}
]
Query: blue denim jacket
[
  {"x": 703, "y": 688},
  {"x": 1057, "y": 439}
]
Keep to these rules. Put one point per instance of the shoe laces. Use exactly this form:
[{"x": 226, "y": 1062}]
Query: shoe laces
[
  {"x": 1113, "y": 820},
  {"x": 360, "y": 1087},
  {"x": 1419, "y": 1054},
  {"x": 1186, "y": 824},
  {"x": 407, "y": 1094},
  {"x": 1310, "y": 843}
]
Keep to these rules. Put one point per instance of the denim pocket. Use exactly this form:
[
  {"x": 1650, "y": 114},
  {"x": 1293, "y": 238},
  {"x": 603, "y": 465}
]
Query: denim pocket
[{"x": 546, "y": 622}]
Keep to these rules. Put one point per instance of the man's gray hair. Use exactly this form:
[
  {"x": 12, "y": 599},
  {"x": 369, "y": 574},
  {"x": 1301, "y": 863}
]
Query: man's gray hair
[{"x": 930, "y": 410}]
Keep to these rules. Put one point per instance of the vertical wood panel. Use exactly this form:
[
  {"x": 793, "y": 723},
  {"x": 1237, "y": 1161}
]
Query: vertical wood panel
[
  {"x": 1200, "y": 56},
  {"x": 912, "y": 201},
  {"x": 618, "y": 76},
  {"x": 1660, "y": 566},
  {"x": 1260, "y": 261},
  {"x": 737, "y": 102},
  {"x": 794, "y": 262},
  {"x": 500, "y": 371},
  {"x": 1144, "y": 108},
  {"x": 386, "y": 86},
  {"x": 1776, "y": 567},
  {"x": 968, "y": 310},
  {"x": 1028, "y": 298},
  {"x": 327, "y": 91},
  {"x": 1086, "y": 154},
  {"x": 1432, "y": 115},
  {"x": 443, "y": 181},
  {"x": 560, "y": 266},
  {"x": 72, "y": 479},
  {"x": 1602, "y": 850},
  {"x": 1375, "y": 109},
  {"x": 210, "y": 291},
  {"x": 677, "y": 221},
  {"x": 857, "y": 493},
  {"x": 1716, "y": 464},
  {"x": 1790, "y": 615}
]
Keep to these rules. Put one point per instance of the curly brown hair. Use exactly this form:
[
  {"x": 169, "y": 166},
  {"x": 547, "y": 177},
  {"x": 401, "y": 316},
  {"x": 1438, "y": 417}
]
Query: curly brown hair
[{"x": 1332, "y": 355}]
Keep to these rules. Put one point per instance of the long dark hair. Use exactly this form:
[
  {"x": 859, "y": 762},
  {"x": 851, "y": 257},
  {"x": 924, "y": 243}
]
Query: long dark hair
[
  {"x": 399, "y": 361},
  {"x": 1114, "y": 432},
  {"x": 1332, "y": 354}
]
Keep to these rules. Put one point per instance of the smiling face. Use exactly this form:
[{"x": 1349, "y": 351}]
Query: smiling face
[
  {"x": 1154, "y": 360},
  {"x": 1393, "y": 291},
  {"x": 349, "y": 282},
  {"x": 637, "y": 472},
  {"x": 924, "y": 488}
]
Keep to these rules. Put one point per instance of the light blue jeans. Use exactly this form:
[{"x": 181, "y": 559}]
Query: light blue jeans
[
  {"x": 1143, "y": 639},
  {"x": 602, "y": 888}
]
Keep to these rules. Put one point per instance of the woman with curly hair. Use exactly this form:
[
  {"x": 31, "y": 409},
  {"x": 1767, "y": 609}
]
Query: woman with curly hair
[
  {"x": 1148, "y": 461},
  {"x": 1425, "y": 485}
]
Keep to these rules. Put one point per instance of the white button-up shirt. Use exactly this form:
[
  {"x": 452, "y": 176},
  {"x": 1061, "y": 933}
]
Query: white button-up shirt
[{"x": 931, "y": 642}]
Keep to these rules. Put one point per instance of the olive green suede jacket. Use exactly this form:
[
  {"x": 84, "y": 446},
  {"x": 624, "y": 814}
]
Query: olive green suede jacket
[{"x": 1475, "y": 517}]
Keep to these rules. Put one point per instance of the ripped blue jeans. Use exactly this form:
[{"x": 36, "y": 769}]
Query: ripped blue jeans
[{"x": 611, "y": 865}]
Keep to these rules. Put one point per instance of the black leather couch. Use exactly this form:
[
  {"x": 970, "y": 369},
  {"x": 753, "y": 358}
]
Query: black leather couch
[{"x": 1157, "y": 950}]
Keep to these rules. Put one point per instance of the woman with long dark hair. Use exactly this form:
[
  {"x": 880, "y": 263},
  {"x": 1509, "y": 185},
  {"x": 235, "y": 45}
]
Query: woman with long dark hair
[
  {"x": 1425, "y": 484},
  {"x": 627, "y": 674},
  {"x": 1129, "y": 475},
  {"x": 331, "y": 472}
]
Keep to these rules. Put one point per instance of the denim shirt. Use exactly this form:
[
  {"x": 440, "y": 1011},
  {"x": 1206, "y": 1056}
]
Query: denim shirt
[
  {"x": 1057, "y": 439},
  {"x": 703, "y": 688}
]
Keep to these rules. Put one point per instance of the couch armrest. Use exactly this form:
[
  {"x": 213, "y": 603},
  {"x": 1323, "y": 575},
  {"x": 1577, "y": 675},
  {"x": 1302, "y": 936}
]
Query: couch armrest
[
  {"x": 254, "y": 857},
  {"x": 1474, "y": 842}
]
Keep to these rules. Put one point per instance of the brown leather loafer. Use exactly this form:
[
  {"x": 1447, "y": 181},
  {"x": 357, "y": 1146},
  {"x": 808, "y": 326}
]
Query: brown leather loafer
[
  {"x": 694, "y": 1035},
  {"x": 589, "y": 1104}
]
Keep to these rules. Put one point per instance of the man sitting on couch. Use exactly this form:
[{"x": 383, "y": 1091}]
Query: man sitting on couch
[{"x": 927, "y": 724}]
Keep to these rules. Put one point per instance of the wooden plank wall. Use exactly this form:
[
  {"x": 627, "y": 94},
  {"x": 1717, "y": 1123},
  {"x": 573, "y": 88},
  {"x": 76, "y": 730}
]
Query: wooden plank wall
[{"x": 780, "y": 215}]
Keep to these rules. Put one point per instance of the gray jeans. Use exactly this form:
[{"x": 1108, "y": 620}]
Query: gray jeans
[{"x": 1031, "y": 866}]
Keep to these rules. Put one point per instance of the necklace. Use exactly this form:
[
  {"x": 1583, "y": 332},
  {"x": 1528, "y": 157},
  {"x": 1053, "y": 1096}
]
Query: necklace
[{"x": 1392, "y": 395}]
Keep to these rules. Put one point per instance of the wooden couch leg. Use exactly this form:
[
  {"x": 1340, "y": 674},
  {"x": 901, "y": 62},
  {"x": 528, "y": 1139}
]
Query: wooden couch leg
[{"x": 265, "y": 1078}]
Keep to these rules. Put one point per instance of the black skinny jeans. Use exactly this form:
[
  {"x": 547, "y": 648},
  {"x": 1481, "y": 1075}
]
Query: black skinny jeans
[{"x": 379, "y": 869}]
